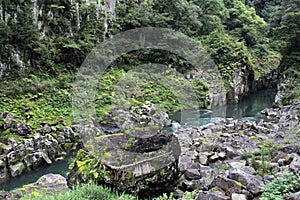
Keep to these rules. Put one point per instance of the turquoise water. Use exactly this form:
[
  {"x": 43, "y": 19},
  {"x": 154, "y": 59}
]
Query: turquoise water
[
  {"x": 60, "y": 167},
  {"x": 249, "y": 109}
]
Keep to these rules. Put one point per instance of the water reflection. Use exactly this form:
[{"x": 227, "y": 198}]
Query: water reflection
[{"x": 249, "y": 108}]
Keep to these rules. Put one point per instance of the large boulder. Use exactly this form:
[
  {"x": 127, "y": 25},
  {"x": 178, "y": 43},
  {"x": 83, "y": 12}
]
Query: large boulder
[
  {"x": 48, "y": 184},
  {"x": 130, "y": 161},
  {"x": 245, "y": 176}
]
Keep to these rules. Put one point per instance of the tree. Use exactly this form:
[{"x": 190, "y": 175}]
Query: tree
[
  {"x": 245, "y": 24},
  {"x": 228, "y": 54}
]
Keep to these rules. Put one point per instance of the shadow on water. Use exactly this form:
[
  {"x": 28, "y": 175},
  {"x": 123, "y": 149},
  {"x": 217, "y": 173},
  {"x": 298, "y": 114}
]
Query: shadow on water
[{"x": 249, "y": 108}]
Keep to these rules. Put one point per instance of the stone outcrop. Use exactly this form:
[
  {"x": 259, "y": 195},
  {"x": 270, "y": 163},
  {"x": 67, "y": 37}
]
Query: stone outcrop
[
  {"x": 24, "y": 149},
  {"x": 228, "y": 159},
  {"x": 48, "y": 184},
  {"x": 144, "y": 115},
  {"x": 127, "y": 162}
]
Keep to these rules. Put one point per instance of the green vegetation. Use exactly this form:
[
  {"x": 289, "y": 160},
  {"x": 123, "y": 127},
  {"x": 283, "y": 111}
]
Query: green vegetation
[
  {"x": 42, "y": 65},
  {"x": 260, "y": 159},
  {"x": 34, "y": 100},
  {"x": 228, "y": 54},
  {"x": 93, "y": 191},
  {"x": 41, "y": 51},
  {"x": 286, "y": 183},
  {"x": 264, "y": 167},
  {"x": 89, "y": 191}
]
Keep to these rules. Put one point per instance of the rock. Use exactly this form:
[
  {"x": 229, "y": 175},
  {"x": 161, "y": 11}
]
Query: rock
[
  {"x": 29, "y": 145},
  {"x": 5, "y": 195},
  {"x": 46, "y": 158},
  {"x": 186, "y": 159},
  {"x": 48, "y": 184},
  {"x": 61, "y": 139},
  {"x": 192, "y": 174},
  {"x": 237, "y": 164},
  {"x": 213, "y": 158},
  {"x": 248, "y": 170},
  {"x": 8, "y": 120},
  {"x": 50, "y": 180},
  {"x": 4, "y": 175},
  {"x": 228, "y": 185},
  {"x": 295, "y": 196},
  {"x": 206, "y": 180},
  {"x": 203, "y": 159},
  {"x": 129, "y": 170},
  {"x": 12, "y": 157},
  {"x": 222, "y": 155},
  {"x": 268, "y": 178},
  {"x": 17, "y": 169},
  {"x": 278, "y": 155},
  {"x": 7, "y": 149},
  {"x": 18, "y": 127},
  {"x": 178, "y": 193},
  {"x": 22, "y": 129},
  {"x": 212, "y": 196},
  {"x": 236, "y": 196},
  {"x": 295, "y": 164},
  {"x": 144, "y": 115},
  {"x": 291, "y": 149},
  {"x": 231, "y": 152},
  {"x": 251, "y": 182}
]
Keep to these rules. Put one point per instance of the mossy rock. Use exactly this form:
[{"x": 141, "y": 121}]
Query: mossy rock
[{"x": 148, "y": 167}]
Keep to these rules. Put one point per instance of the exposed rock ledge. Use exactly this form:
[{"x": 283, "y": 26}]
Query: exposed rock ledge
[
  {"x": 222, "y": 160},
  {"x": 23, "y": 149}
]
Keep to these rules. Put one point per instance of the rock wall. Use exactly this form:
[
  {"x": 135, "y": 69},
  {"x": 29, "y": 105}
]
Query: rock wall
[
  {"x": 41, "y": 17},
  {"x": 23, "y": 149}
]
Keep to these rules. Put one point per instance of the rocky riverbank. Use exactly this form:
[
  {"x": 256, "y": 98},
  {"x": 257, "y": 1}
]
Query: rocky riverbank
[
  {"x": 233, "y": 159},
  {"x": 23, "y": 149},
  {"x": 228, "y": 159}
]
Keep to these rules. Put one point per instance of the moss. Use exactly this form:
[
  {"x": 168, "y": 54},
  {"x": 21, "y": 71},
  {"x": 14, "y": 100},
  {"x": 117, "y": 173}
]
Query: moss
[
  {"x": 6, "y": 134},
  {"x": 1, "y": 123},
  {"x": 254, "y": 137},
  {"x": 238, "y": 183},
  {"x": 106, "y": 155},
  {"x": 2, "y": 145},
  {"x": 68, "y": 146}
]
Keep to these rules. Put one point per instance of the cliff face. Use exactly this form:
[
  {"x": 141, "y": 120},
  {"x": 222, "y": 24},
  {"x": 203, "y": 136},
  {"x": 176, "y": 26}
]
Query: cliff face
[
  {"x": 32, "y": 29},
  {"x": 47, "y": 37}
]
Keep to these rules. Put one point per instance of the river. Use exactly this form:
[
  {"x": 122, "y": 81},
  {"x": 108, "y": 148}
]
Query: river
[{"x": 249, "y": 108}]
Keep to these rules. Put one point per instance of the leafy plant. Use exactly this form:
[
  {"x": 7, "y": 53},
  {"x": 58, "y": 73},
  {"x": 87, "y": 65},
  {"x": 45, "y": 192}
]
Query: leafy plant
[
  {"x": 284, "y": 184},
  {"x": 90, "y": 191}
]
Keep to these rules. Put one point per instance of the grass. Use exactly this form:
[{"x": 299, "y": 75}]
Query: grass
[
  {"x": 264, "y": 166},
  {"x": 89, "y": 191},
  {"x": 34, "y": 100},
  {"x": 92, "y": 191}
]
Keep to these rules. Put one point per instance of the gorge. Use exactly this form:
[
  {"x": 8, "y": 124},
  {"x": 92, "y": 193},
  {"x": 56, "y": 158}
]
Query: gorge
[{"x": 239, "y": 130}]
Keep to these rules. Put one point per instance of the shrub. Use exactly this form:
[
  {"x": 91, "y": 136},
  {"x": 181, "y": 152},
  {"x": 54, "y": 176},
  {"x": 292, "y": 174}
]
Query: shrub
[
  {"x": 89, "y": 191},
  {"x": 285, "y": 184}
]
